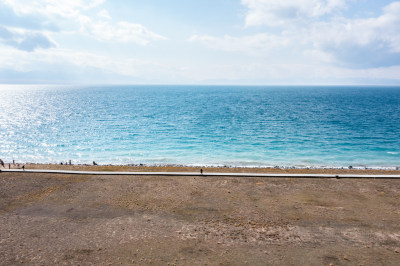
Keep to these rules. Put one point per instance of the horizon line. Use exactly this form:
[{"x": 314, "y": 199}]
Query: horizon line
[{"x": 199, "y": 84}]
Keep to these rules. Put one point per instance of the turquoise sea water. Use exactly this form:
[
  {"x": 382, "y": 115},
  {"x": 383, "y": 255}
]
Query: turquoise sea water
[{"x": 202, "y": 125}]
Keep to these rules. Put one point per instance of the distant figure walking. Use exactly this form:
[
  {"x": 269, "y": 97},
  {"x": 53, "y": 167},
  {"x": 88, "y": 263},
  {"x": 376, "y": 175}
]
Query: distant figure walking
[
  {"x": 23, "y": 167},
  {"x": 201, "y": 171},
  {"x": 2, "y": 163}
]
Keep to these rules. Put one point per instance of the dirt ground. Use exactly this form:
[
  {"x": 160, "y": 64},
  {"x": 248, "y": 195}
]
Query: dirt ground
[{"x": 48, "y": 219}]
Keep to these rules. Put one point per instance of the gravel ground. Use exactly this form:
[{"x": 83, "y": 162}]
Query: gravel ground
[{"x": 48, "y": 219}]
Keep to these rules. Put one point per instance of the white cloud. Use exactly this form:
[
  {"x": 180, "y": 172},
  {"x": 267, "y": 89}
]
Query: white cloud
[
  {"x": 284, "y": 12},
  {"x": 121, "y": 32},
  {"x": 363, "y": 42},
  {"x": 25, "y": 40},
  {"x": 71, "y": 15},
  {"x": 384, "y": 29},
  {"x": 69, "y": 8},
  {"x": 286, "y": 41},
  {"x": 104, "y": 14},
  {"x": 358, "y": 43},
  {"x": 252, "y": 44}
]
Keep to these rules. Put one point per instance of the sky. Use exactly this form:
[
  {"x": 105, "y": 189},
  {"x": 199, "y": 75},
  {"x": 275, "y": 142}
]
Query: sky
[{"x": 236, "y": 42}]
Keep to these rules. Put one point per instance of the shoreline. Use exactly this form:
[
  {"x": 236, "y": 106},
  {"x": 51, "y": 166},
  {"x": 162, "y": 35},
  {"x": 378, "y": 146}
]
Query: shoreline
[
  {"x": 209, "y": 169},
  {"x": 215, "y": 165}
]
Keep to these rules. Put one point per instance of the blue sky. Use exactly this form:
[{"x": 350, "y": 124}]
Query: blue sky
[{"x": 200, "y": 41}]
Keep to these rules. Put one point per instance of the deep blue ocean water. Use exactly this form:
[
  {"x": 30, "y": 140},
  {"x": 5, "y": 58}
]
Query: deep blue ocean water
[{"x": 202, "y": 125}]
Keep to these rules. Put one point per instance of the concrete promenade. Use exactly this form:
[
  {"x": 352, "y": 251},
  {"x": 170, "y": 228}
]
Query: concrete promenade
[{"x": 271, "y": 175}]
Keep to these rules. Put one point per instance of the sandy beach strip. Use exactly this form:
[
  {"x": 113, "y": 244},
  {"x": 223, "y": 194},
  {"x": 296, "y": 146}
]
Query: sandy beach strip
[{"x": 174, "y": 168}]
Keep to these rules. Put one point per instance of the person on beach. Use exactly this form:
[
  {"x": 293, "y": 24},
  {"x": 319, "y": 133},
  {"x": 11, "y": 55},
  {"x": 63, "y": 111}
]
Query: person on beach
[
  {"x": 23, "y": 168},
  {"x": 201, "y": 171}
]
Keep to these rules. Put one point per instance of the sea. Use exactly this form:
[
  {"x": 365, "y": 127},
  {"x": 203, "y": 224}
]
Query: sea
[{"x": 231, "y": 126}]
